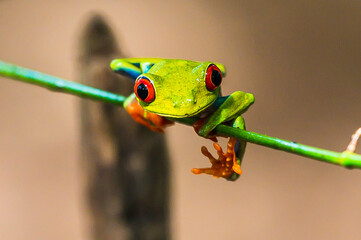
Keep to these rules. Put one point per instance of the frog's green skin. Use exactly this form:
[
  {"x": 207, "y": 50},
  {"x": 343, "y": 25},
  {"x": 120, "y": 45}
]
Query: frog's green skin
[{"x": 180, "y": 92}]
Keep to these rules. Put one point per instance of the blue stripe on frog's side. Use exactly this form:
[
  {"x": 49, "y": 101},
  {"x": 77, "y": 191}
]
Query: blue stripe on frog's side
[{"x": 131, "y": 73}]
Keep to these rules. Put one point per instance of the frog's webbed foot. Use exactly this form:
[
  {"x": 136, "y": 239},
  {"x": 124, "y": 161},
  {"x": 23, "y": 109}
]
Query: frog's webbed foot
[{"x": 226, "y": 164}]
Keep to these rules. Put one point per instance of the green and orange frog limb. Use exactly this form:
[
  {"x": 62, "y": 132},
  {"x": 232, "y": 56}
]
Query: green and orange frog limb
[{"x": 167, "y": 89}]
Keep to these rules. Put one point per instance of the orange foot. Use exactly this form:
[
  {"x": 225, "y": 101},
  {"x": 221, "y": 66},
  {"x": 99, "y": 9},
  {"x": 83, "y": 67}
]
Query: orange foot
[
  {"x": 152, "y": 121},
  {"x": 225, "y": 165}
]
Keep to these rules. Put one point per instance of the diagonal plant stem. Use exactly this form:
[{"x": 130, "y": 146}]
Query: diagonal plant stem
[
  {"x": 58, "y": 84},
  {"x": 347, "y": 158}
]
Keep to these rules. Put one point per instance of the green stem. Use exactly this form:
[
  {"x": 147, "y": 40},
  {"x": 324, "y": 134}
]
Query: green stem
[
  {"x": 58, "y": 84},
  {"x": 346, "y": 159}
]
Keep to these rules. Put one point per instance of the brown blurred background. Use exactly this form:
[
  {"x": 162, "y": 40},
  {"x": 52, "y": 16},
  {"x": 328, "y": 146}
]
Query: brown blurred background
[{"x": 301, "y": 60}]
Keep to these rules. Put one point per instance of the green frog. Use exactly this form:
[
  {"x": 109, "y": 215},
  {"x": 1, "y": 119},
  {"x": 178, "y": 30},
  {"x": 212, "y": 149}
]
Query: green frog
[{"x": 166, "y": 89}]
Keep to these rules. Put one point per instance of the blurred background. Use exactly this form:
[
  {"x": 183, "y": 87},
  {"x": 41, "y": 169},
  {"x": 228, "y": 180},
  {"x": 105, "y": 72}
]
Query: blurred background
[{"x": 301, "y": 60}]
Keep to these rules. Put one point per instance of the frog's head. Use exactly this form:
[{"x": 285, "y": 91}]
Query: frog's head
[{"x": 179, "y": 88}]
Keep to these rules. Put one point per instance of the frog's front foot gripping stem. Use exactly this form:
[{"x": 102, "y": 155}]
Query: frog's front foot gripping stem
[
  {"x": 225, "y": 166},
  {"x": 152, "y": 121}
]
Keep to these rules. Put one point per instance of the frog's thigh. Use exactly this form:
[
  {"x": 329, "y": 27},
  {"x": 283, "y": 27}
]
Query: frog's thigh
[{"x": 236, "y": 104}]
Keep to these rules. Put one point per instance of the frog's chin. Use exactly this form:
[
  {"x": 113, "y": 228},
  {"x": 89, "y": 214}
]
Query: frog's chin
[{"x": 191, "y": 114}]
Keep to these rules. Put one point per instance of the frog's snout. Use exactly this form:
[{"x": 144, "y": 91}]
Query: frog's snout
[
  {"x": 188, "y": 102},
  {"x": 185, "y": 101}
]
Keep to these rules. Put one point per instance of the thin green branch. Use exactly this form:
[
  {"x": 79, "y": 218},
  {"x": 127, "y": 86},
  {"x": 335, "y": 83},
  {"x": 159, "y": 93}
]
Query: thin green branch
[
  {"x": 346, "y": 158},
  {"x": 58, "y": 84}
]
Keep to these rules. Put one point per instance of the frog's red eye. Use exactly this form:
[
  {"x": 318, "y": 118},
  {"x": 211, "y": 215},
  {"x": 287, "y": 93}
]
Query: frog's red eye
[
  {"x": 144, "y": 89},
  {"x": 213, "y": 77}
]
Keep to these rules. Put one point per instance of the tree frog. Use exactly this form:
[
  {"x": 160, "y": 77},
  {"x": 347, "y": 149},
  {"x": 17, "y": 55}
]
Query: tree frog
[{"x": 165, "y": 89}]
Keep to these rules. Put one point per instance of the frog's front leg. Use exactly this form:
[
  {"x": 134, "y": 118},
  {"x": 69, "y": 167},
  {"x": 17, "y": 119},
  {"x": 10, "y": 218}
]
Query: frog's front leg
[
  {"x": 152, "y": 121},
  {"x": 228, "y": 164}
]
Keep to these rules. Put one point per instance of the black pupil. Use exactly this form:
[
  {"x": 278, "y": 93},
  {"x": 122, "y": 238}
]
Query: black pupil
[
  {"x": 216, "y": 78},
  {"x": 142, "y": 91}
]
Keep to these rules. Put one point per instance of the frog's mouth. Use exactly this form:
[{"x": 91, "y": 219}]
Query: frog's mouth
[{"x": 190, "y": 114}]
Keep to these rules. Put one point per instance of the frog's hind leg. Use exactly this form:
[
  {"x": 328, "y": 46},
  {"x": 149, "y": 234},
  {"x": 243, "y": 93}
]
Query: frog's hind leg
[
  {"x": 133, "y": 67},
  {"x": 239, "y": 149},
  {"x": 228, "y": 112}
]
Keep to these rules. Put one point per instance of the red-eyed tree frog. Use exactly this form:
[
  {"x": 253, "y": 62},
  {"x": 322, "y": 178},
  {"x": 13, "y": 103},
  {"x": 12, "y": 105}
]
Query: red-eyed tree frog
[{"x": 170, "y": 88}]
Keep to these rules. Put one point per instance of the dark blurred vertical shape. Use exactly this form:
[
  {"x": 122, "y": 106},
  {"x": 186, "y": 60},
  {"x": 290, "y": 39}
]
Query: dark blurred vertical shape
[{"x": 125, "y": 164}]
